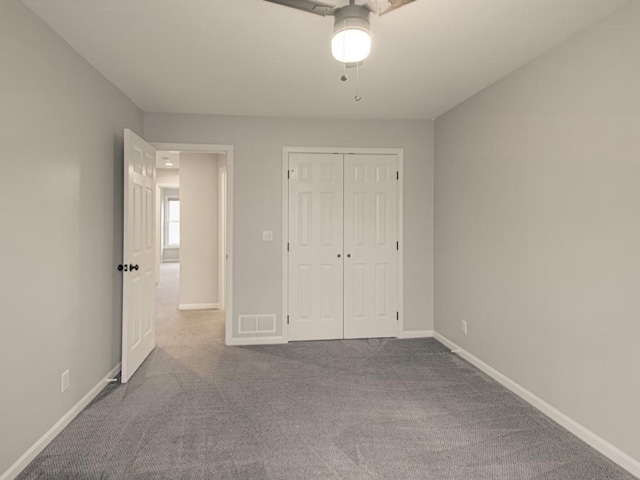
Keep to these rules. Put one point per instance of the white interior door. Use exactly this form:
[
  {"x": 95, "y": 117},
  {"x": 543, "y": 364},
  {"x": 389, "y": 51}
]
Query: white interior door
[
  {"x": 370, "y": 236},
  {"x": 138, "y": 309},
  {"x": 315, "y": 246}
]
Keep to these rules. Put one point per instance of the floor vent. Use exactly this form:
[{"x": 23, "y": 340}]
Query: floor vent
[{"x": 256, "y": 324}]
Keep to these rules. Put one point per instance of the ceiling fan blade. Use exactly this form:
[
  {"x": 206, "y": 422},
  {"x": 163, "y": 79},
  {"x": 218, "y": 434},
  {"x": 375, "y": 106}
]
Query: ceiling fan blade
[
  {"x": 311, "y": 6},
  {"x": 393, "y": 5}
]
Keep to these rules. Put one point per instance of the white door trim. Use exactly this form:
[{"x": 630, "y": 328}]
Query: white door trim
[
  {"x": 228, "y": 151},
  {"x": 399, "y": 152},
  {"x": 222, "y": 234}
]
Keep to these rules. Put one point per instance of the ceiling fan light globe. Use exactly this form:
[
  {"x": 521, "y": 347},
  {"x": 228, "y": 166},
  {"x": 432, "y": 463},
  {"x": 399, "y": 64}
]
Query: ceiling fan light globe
[{"x": 351, "y": 45}]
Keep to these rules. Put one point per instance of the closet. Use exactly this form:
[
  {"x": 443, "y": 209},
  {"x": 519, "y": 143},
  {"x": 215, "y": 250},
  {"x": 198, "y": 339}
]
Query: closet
[{"x": 342, "y": 246}]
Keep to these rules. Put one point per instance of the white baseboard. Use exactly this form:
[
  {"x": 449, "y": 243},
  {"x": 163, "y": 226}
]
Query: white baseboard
[
  {"x": 416, "y": 334},
  {"x": 240, "y": 341},
  {"x": 20, "y": 464},
  {"x": 199, "y": 306},
  {"x": 600, "y": 444}
]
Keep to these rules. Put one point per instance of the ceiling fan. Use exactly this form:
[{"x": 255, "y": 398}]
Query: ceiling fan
[{"x": 351, "y": 41}]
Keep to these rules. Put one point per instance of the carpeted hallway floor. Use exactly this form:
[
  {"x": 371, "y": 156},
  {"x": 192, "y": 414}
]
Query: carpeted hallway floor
[{"x": 357, "y": 409}]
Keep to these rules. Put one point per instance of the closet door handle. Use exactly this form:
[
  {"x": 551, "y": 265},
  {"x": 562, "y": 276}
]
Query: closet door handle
[
  {"x": 339, "y": 255},
  {"x": 348, "y": 255}
]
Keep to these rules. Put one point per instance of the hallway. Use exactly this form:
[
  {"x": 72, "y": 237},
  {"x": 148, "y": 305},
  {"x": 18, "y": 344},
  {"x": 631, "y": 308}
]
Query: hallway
[{"x": 180, "y": 330}]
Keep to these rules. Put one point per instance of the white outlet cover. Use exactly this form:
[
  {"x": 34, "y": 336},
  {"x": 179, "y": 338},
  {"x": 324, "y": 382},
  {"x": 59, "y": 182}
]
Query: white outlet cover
[
  {"x": 64, "y": 381},
  {"x": 267, "y": 236}
]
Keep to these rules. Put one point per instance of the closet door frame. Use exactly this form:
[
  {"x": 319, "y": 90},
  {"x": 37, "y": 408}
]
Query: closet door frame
[{"x": 399, "y": 152}]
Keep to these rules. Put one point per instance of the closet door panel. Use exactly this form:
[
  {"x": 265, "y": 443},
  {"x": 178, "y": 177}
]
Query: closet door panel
[
  {"x": 315, "y": 246},
  {"x": 370, "y": 236}
]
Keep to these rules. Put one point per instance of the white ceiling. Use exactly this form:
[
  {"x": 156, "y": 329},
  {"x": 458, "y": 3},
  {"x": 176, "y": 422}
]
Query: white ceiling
[
  {"x": 252, "y": 57},
  {"x": 170, "y": 156}
]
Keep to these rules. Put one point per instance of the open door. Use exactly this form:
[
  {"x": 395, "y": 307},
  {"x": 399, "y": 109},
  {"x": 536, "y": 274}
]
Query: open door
[{"x": 138, "y": 296}]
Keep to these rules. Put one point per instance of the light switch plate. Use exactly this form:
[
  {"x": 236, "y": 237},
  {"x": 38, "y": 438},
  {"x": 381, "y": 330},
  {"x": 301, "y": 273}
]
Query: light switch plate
[{"x": 267, "y": 236}]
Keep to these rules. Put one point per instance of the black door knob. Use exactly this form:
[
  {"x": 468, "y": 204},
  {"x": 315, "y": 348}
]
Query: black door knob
[
  {"x": 339, "y": 255},
  {"x": 123, "y": 268}
]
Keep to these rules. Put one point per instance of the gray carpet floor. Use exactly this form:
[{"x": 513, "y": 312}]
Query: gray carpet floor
[{"x": 356, "y": 409}]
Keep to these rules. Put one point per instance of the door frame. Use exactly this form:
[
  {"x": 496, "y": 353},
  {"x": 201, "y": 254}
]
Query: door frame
[
  {"x": 222, "y": 234},
  {"x": 228, "y": 151},
  {"x": 399, "y": 152}
]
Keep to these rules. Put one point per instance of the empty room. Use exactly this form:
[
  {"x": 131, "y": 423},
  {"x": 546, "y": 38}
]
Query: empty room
[{"x": 289, "y": 239}]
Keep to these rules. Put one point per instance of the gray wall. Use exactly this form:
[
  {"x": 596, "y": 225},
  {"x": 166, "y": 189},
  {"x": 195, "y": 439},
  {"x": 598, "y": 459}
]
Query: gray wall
[
  {"x": 61, "y": 129},
  {"x": 198, "y": 228},
  {"x": 257, "y": 206},
  {"x": 168, "y": 177},
  {"x": 537, "y": 218}
]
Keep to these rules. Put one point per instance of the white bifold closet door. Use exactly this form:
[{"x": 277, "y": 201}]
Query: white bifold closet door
[
  {"x": 370, "y": 236},
  {"x": 343, "y": 258},
  {"x": 315, "y": 246}
]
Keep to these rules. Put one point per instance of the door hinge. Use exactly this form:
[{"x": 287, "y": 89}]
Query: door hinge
[
  {"x": 397, "y": 245},
  {"x": 287, "y": 319},
  {"x": 287, "y": 246},
  {"x": 288, "y": 173},
  {"x": 397, "y": 175},
  {"x": 398, "y": 316}
]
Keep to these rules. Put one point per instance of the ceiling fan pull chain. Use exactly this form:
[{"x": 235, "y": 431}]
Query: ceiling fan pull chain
[{"x": 357, "y": 98}]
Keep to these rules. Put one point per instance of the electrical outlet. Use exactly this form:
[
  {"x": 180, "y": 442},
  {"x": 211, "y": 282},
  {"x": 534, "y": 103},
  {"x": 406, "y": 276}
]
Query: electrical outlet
[
  {"x": 64, "y": 381},
  {"x": 267, "y": 236},
  {"x": 464, "y": 327}
]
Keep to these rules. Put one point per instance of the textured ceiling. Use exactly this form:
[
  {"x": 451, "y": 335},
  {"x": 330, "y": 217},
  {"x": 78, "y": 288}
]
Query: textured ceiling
[{"x": 251, "y": 57}]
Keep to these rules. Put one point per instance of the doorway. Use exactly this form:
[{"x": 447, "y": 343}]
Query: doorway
[
  {"x": 141, "y": 240},
  {"x": 205, "y": 190}
]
